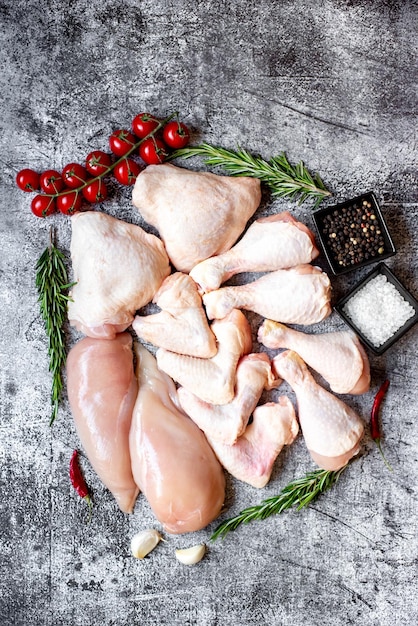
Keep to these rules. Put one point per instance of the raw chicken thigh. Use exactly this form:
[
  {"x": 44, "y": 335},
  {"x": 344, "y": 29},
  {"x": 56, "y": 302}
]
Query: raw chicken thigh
[
  {"x": 300, "y": 295},
  {"x": 252, "y": 457},
  {"x": 181, "y": 326},
  {"x": 102, "y": 390},
  {"x": 212, "y": 380},
  {"x": 117, "y": 268},
  {"x": 338, "y": 356},
  {"x": 226, "y": 422},
  {"x": 270, "y": 243},
  {"x": 198, "y": 214},
  {"x": 172, "y": 461},
  {"x": 332, "y": 430}
]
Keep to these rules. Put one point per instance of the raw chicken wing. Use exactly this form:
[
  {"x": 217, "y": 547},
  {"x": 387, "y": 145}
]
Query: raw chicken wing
[
  {"x": 198, "y": 214},
  {"x": 117, "y": 268},
  {"x": 270, "y": 243},
  {"x": 332, "y": 430},
  {"x": 181, "y": 326},
  {"x": 212, "y": 380},
  {"x": 300, "y": 295},
  {"x": 102, "y": 390},
  {"x": 252, "y": 457},
  {"x": 172, "y": 461},
  {"x": 226, "y": 422},
  {"x": 337, "y": 356}
]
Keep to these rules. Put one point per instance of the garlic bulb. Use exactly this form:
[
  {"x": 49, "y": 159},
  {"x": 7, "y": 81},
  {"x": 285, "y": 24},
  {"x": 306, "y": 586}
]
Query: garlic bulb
[
  {"x": 190, "y": 556},
  {"x": 143, "y": 542}
]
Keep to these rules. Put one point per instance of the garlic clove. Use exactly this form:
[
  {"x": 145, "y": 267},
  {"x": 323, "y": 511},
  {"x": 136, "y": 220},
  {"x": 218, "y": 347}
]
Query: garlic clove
[
  {"x": 143, "y": 542},
  {"x": 190, "y": 556}
]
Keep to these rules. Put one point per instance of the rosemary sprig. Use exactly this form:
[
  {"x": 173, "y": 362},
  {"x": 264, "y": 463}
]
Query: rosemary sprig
[
  {"x": 283, "y": 179},
  {"x": 299, "y": 493},
  {"x": 52, "y": 284}
]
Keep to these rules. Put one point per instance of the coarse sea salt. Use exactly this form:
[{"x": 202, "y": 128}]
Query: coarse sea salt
[{"x": 378, "y": 310}]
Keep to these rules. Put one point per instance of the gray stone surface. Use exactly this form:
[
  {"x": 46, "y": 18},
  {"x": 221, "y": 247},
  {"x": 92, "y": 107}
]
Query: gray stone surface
[{"x": 333, "y": 83}]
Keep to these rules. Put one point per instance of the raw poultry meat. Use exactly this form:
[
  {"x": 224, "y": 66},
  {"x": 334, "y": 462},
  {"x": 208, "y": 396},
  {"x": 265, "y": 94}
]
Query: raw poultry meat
[
  {"x": 300, "y": 295},
  {"x": 181, "y": 326},
  {"x": 172, "y": 461},
  {"x": 331, "y": 429},
  {"x": 269, "y": 244},
  {"x": 212, "y": 380},
  {"x": 226, "y": 422},
  {"x": 117, "y": 269},
  {"x": 251, "y": 458},
  {"x": 197, "y": 214},
  {"x": 102, "y": 390},
  {"x": 337, "y": 356}
]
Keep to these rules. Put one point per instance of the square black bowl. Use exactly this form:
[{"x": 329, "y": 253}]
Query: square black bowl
[
  {"x": 382, "y": 268},
  {"x": 357, "y": 220}
]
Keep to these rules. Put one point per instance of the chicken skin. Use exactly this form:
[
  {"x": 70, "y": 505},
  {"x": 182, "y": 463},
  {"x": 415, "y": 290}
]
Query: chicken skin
[
  {"x": 337, "y": 356},
  {"x": 117, "y": 269},
  {"x": 331, "y": 429},
  {"x": 172, "y": 461},
  {"x": 226, "y": 422},
  {"x": 252, "y": 457},
  {"x": 102, "y": 390},
  {"x": 269, "y": 244},
  {"x": 197, "y": 214},
  {"x": 300, "y": 295},
  {"x": 212, "y": 380},
  {"x": 181, "y": 326}
]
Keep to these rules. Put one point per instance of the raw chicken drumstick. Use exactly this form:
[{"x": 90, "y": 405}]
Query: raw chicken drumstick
[
  {"x": 270, "y": 243},
  {"x": 102, "y": 390},
  {"x": 198, "y": 214},
  {"x": 226, "y": 422},
  {"x": 300, "y": 295},
  {"x": 332, "y": 430},
  {"x": 117, "y": 268},
  {"x": 181, "y": 326},
  {"x": 172, "y": 461},
  {"x": 252, "y": 457},
  {"x": 337, "y": 356},
  {"x": 212, "y": 380}
]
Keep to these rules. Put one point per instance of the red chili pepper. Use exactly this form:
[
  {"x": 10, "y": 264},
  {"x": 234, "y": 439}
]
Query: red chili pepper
[
  {"x": 374, "y": 420},
  {"x": 78, "y": 481}
]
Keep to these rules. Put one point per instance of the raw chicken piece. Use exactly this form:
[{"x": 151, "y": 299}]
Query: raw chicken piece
[
  {"x": 226, "y": 422},
  {"x": 300, "y": 295},
  {"x": 338, "y": 356},
  {"x": 270, "y": 243},
  {"x": 172, "y": 461},
  {"x": 198, "y": 214},
  {"x": 331, "y": 429},
  {"x": 252, "y": 457},
  {"x": 102, "y": 390},
  {"x": 212, "y": 380},
  {"x": 117, "y": 268},
  {"x": 182, "y": 325}
]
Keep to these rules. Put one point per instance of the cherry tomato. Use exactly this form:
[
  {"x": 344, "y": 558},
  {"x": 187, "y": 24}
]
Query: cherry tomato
[
  {"x": 96, "y": 191},
  {"x": 127, "y": 171},
  {"x": 97, "y": 162},
  {"x": 42, "y": 206},
  {"x": 143, "y": 124},
  {"x": 176, "y": 135},
  {"x": 153, "y": 151},
  {"x": 69, "y": 202},
  {"x": 27, "y": 180},
  {"x": 74, "y": 175},
  {"x": 51, "y": 182},
  {"x": 121, "y": 141}
]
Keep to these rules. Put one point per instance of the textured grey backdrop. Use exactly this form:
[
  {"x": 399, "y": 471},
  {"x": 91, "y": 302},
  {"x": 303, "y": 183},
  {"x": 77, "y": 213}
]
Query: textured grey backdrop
[{"x": 333, "y": 83}]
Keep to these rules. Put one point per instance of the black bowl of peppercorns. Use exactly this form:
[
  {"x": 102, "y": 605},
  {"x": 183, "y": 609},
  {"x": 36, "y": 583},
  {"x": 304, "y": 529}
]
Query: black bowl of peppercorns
[{"x": 353, "y": 233}]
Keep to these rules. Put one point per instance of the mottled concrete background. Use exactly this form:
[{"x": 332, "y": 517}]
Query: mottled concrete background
[{"x": 333, "y": 83}]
